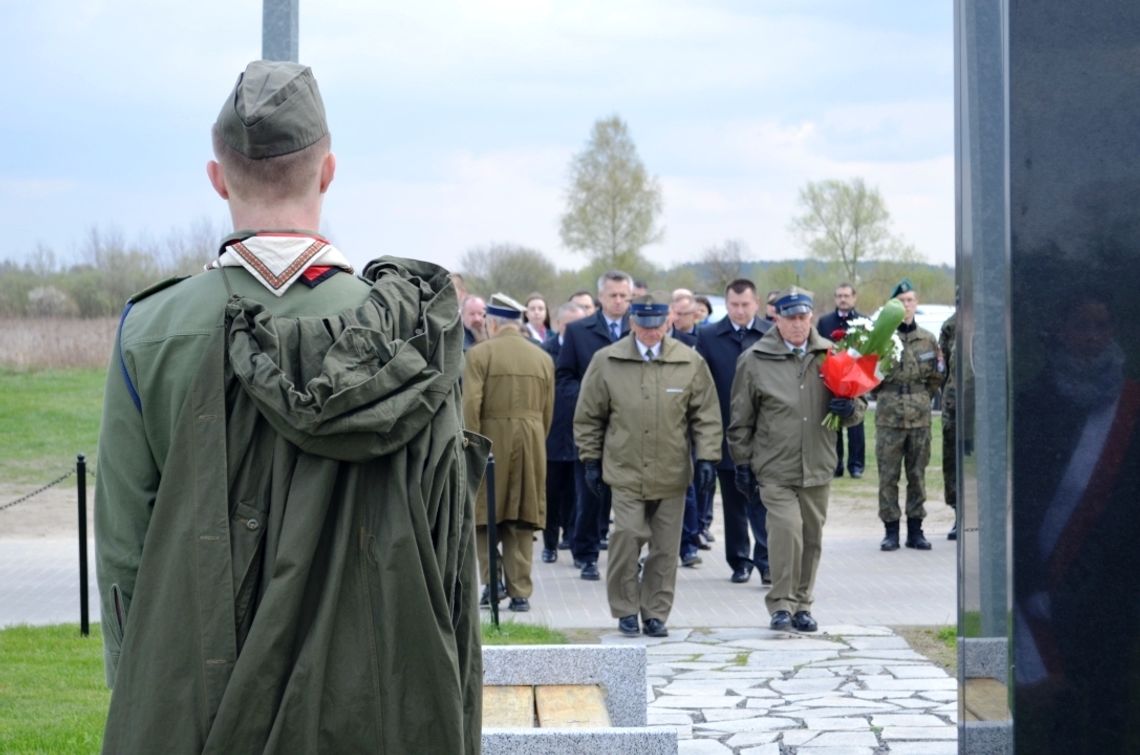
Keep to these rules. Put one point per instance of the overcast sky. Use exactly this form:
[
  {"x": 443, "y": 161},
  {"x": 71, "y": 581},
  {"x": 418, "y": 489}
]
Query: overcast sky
[{"x": 454, "y": 122}]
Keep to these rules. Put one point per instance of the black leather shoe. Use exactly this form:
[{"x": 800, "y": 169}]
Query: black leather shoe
[
  {"x": 579, "y": 563},
  {"x": 564, "y": 545},
  {"x": 953, "y": 533},
  {"x": 691, "y": 559},
  {"x": 741, "y": 574},
  {"x": 781, "y": 621},
  {"x": 519, "y": 605},
  {"x": 590, "y": 573},
  {"x": 655, "y": 628},
  {"x": 549, "y": 556},
  {"x": 839, "y": 472},
  {"x": 708, "y": 536},
  {"x": 485, "y": 599},
  {"x": 765, "y": 577},
  {"x": 803, "y": 622},
  {"x": 856, "y": 474},
  {"x": 627, "y": 625},
  {"x": 604, "y": 544},
  {"x": 703, "y": 542}
]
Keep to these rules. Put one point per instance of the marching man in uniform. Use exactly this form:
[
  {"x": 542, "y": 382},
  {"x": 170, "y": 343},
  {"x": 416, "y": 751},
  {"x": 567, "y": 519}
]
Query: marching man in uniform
[{"x": 642, "y": 399}]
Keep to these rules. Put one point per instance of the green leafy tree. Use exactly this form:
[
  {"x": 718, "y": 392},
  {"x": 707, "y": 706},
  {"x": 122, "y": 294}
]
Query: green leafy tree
[
  {"x": 612, "y": 203},
  {"x": 847, "y": 222}
]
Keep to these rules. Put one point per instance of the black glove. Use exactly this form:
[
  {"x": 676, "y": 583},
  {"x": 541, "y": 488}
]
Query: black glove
[
  {"x": 706, "y": 477},
  {"x": 745, "y": 481},
  {"x": 841, "y": 407},
  {"x": 594, "y": 480}
]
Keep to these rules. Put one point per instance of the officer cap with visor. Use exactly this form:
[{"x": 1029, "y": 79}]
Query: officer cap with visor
[
  {"x": 794, "y": 301},
  {"x": 650, "y": 310}
]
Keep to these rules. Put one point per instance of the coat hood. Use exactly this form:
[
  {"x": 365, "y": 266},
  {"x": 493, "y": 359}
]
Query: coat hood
[{"x": 362, "y": 383}]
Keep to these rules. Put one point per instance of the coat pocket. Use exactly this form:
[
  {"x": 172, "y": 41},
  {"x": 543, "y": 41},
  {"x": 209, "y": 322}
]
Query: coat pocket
[{"x": 247, "y": 536}]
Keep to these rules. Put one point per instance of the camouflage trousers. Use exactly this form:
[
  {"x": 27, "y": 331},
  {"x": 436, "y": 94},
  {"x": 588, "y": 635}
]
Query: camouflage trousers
[
  {"x": 900, "y": 448},
  {"x": 949, "y": 447}
]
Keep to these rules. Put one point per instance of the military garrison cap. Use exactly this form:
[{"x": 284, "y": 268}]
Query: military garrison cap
[
  {"x": 903, "y": 286},
  {"x": 501, "y": 305},
  {"x": 794, "y": 301},
  {"x": 275, "y": 108},
  {"x": 651, "y": 310}
]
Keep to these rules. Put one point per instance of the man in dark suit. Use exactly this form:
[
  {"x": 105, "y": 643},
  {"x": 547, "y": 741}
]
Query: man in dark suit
[
  {"x": 828, "y": 324},
  {"x": 579, "y": 342},
  {"x": 560, "y": 451},
  {"x": 721, "y": 343},
  {"x": 683, "y": 327}
]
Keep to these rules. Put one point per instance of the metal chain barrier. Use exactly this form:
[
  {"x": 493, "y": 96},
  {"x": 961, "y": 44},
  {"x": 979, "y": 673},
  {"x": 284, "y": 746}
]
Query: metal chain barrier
[{"x": 39, "y": 490}]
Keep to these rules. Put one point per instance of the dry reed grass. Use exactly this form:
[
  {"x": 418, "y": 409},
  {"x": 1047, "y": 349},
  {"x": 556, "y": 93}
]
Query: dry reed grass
[{"x": 28, "y": 344}]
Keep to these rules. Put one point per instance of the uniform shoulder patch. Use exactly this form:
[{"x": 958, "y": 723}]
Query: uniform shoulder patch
[{"x": 156, "y": 288}]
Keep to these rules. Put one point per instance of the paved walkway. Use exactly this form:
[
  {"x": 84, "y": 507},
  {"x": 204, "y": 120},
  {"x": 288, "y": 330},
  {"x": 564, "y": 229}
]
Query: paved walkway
[{"x": 853, "y": 690}]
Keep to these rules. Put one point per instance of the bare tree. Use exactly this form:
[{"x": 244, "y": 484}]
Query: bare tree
[
  {"x": 724, "y": 263},
  {"x": 612, "y": 203},
  {"x": 513, "y": 269},
  {"x": 848, "y": 222}
]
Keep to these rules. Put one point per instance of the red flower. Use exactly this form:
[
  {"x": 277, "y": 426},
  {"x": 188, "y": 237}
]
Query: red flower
[{"x": 838, "y": 334}]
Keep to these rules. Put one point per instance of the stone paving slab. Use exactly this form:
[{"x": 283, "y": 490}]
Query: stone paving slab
[{"x": 812, "y": 706}]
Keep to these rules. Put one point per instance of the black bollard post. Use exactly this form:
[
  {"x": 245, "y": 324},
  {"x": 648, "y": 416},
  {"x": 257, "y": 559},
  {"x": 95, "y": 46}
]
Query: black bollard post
[
  {"x": 492, "y": 543},
  {"x": 81, "y": 484}
]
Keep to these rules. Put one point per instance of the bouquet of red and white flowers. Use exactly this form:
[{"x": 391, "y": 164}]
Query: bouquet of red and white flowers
[{"x": 862, "y": 356}]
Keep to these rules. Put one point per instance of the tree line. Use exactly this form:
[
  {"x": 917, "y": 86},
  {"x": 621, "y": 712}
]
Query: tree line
[{"x": 613, "y": 212}]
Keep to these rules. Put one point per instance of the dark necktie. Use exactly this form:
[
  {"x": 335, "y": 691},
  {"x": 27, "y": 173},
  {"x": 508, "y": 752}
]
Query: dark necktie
[{"x": 614, "y": 332}]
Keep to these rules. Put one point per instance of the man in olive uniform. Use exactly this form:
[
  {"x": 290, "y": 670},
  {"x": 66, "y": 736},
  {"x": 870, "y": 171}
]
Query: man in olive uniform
[
  {"x": 508, "y": 395},
  {"x": 284, "y": 507},
  {"x": 902, "y": 426},
  {"x": 641, "y": 398},
  {"x": 778, "y": 441},
  {"x": 949, "y": 421}
]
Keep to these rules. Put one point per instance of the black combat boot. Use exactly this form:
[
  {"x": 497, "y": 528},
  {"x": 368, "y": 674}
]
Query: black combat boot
[
  {"x": 891, "y": 541},
  {"x": 914, "y": 536}
]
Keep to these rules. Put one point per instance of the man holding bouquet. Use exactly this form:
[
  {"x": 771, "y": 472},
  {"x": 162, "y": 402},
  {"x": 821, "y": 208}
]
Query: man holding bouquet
[
  {"x": 779, "y": 441},
  {"x": 829, "y": 326}
]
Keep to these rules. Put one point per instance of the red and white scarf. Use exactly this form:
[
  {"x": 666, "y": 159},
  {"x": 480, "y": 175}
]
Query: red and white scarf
[{"x": 277, "y": 259}]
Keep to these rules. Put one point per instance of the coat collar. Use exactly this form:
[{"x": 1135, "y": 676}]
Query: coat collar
[
  {"x": 627, "y": 351},
  {"x": 772, "y": 344}
]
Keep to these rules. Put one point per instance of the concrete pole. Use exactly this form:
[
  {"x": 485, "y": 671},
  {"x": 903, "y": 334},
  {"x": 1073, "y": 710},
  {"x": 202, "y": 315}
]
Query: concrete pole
[{"x": 280, "y": 30}]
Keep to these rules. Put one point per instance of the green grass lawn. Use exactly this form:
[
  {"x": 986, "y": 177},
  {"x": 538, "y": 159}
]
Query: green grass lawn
[
  {"x": 48, "y": 418},
  {"x": 53, "y": 698},
  {"x": 52, "y": 692}
]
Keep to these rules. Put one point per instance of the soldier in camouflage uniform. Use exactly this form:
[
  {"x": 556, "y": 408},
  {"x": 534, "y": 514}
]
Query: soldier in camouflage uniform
[
  {"x": 949, "y": 420},
  {"x": 902, "y": 426}
]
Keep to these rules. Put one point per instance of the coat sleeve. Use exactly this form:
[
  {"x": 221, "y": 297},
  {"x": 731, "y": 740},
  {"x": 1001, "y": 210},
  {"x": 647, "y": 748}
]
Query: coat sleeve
[
  {"x": 857, "y": 415},
  {"x": 126, "y": 486},
  {"x": 568, "y": 368},
  {"x": 592, "y": 413},
  {"x": 742, "y": 413},
  {"x": 474, "y": 372},
  {"x": 704, "y": 416},
  {"x": 548, "y": 407}
]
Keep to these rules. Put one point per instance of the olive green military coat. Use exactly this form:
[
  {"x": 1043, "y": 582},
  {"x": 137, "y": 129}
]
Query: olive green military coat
[
  {"x": 508, "y": 396},
  {"x": 284, "y": 520},
  {"x": 904, "y": 398},
  {"x": 637, "y": 416},
  {"x": 776, "y": 412}
]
